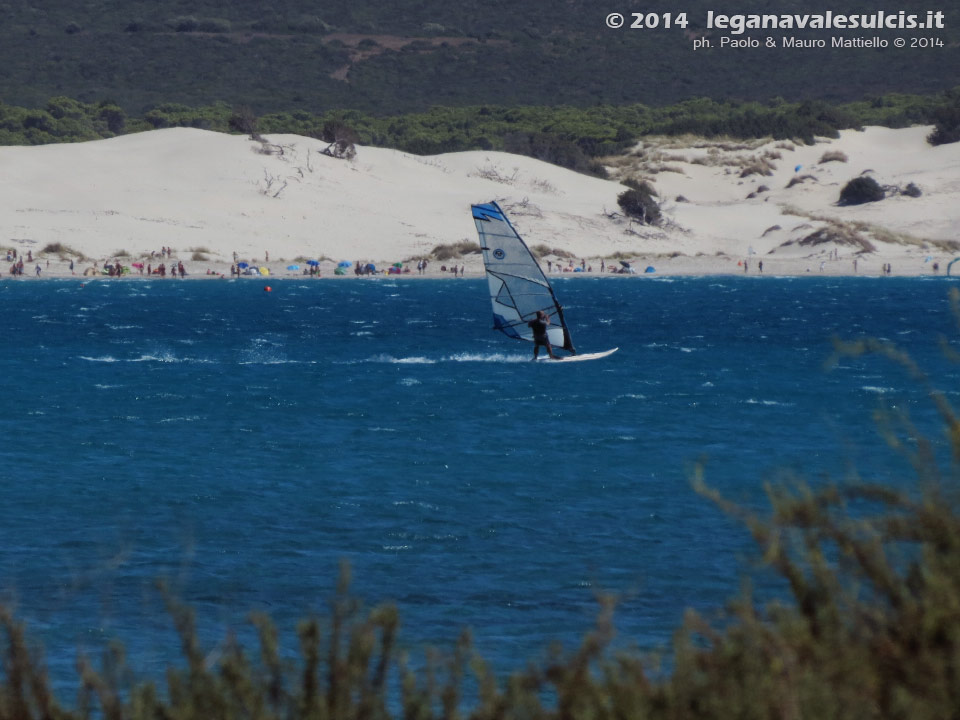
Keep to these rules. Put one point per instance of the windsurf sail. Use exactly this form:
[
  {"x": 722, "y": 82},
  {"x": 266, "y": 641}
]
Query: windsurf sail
[{"x": 518, "y": 287}]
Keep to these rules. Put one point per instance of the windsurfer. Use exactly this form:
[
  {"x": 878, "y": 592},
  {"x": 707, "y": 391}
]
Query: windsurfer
[{"x": 539, "y": 327}]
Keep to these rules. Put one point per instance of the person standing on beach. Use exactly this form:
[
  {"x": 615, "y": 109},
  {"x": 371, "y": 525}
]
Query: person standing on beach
[
  {"x": 760, "y": 266},
  {"x": 539, "y": 327}
]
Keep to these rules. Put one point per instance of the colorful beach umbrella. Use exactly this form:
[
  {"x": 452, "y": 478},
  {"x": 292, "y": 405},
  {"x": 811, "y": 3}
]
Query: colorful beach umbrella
[
  {"x": 243, "y": 265},
  {"x": 293, "y": 267},
  {"x": 313, "y": 262}
]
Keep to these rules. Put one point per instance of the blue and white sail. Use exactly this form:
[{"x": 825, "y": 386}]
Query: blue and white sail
[{"x": 518, "y": 287}]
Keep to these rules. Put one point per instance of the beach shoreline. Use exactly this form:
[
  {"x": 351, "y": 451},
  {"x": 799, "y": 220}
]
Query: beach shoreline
[
  {"x": 726, "y": 207},
  {"x": 473, "y": 268}
]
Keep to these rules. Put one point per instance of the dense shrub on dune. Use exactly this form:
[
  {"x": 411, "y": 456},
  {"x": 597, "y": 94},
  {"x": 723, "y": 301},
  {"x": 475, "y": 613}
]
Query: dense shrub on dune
[{"x": 861, "y": 190}]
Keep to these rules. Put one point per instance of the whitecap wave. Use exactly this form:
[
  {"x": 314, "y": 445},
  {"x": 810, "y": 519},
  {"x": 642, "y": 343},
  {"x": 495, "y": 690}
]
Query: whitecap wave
[
  {"x": 487, "y": 357},
  {"x": 416, "y": 503},
  {"x": 275, "y": 361},
  {"x": 162, "y": 358}
]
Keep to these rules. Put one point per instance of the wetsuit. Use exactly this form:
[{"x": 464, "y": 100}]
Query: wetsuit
[{"x": 539, "y": 328}]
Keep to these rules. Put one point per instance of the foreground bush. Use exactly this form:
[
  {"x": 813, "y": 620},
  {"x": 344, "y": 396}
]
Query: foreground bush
[{"x": 871, "y": 630}]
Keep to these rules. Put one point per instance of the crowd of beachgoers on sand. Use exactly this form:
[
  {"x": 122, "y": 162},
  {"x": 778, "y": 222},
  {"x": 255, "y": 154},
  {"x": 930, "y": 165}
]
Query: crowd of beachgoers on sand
[{"x": 755, "y": 208}]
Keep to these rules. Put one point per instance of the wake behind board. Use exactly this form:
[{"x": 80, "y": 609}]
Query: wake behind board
[{"x": 581, "y": 357}]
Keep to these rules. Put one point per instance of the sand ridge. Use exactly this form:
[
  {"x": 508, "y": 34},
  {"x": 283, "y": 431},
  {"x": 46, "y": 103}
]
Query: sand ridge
[{"x": 209, "y": 195}]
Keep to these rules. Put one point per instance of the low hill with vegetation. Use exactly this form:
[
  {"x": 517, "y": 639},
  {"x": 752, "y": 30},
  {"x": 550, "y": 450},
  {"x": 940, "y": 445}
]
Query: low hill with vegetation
[
  {"x": 566, "y": 136},
  {"x": 389, "y": 58}
]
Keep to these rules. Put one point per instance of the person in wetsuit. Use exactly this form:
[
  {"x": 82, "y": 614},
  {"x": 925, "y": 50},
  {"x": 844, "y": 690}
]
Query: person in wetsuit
[{"x": 539, "y": 327}]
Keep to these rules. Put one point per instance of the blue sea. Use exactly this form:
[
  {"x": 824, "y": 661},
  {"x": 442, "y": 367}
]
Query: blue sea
[{"x": 239, "y": 444}]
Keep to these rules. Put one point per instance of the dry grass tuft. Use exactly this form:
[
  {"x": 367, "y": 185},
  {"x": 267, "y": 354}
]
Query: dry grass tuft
[
  {"x": 838, "y": 234},
  {"x": 758, "y": 166},
  {"x": 62, "y": 251},
  {"x": 451, "y": 251},
  {"x": 833, "y": 156},
  {"x": 797, "y": 179}
]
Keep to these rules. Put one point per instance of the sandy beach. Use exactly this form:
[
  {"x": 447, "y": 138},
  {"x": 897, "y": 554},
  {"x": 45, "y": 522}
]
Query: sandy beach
[{"x": 727, "y": 206}]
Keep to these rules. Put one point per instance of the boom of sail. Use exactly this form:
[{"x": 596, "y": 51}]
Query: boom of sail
[{"x": 518, "y": 287}]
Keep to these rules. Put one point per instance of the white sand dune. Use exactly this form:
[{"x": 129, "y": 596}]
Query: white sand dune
[{"x": 194, "y": 191}]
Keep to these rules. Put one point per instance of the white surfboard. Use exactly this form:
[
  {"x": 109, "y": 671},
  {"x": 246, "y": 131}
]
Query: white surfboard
[{"x": 581, "y": 357}]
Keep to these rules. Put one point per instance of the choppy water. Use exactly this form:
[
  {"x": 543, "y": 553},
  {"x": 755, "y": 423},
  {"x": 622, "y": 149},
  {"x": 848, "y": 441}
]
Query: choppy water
[{"x": 241, "y": 443}]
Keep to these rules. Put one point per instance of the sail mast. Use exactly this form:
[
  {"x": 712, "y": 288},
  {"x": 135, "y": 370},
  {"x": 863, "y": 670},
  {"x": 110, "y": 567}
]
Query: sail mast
[{"x": 518, "y": 286}]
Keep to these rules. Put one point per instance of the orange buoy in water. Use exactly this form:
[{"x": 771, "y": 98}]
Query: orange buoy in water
[{"x": 267, "y": 288}]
